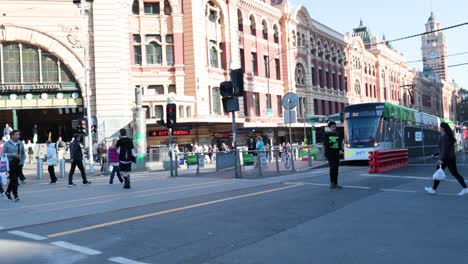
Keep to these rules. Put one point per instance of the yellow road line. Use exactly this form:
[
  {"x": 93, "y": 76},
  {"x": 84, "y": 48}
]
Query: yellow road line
[{"x": 169, "y": 211}]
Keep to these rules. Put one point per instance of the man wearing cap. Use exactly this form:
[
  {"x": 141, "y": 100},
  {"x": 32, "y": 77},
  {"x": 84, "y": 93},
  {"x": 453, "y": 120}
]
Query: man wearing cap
[{"x": 333, "y": 149}]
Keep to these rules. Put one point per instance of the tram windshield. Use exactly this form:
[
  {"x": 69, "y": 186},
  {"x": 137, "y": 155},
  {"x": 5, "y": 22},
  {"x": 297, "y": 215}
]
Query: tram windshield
[{"x": 362, "y": 131}]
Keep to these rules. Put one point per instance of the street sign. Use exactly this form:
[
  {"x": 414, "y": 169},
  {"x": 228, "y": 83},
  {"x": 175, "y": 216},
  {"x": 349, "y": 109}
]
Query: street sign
[
  {"x": 418, "y": 136},
  {"x": 270, "y": 134},
  {"x": 290, "y": 101},
  {"x": 290, "y": 117},
  {"x": 269, "y": 112}
]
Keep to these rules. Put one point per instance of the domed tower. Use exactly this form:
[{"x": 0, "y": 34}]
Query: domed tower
[{"x": 434, "y": 48}]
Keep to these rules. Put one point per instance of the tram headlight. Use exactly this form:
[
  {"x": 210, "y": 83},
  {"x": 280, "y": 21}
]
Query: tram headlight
[
  {"x": 376, "y": 144},
  {"x": 348, "y": 145}
]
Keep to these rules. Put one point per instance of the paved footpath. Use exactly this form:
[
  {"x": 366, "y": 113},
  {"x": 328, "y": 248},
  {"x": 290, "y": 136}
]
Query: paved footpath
[{"x": 384, "y": 218}]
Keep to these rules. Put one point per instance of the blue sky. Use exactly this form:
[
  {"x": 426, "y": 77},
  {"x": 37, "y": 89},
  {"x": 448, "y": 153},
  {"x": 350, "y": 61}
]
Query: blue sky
[{"x": 400, "y": 18}]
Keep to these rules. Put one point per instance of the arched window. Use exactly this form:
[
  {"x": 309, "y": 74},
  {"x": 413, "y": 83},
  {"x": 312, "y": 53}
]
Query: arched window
[
  {"x": 154, "y": 53},
  {"x": 136, "y": 7},
  {"x": 357, "y": 87},
  {"x": 265, "y": 29},
  {"x": 275, "y": 34},
  {"x": 167, "y": 8},
  {"x": 214, "y": 57},
  {"x": 30, "y": 64},
  {"x": 253, "y": 26},
  {"x": 11, "y": 63},
  {"x": 49, "y": 68},
  {"x": 300, "y": 74},
  {"x": 240, "y": 21}
]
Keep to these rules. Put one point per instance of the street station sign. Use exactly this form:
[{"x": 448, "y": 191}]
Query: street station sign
[{"x": 164, "y": 133}]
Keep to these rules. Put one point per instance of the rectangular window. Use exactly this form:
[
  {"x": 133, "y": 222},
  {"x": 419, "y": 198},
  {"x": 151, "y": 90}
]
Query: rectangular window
[
  {"x": 158, "y": 111},
  {"x": 266, "y": 66},
  {"x": 346, "y": 84},
  {"x": 170, "y": 55},
  {"x": 324, "y": 112},
  {"x": 151, "y": 8},
  {"x": 172, "y": 89},
  {"x": 367, "y": 90},
  {"x": 242, "y": 60},
  {"x": 137, "y": 49},
  {"x": 11, "y": 63},
  {"x": 189, "y": 111},
  {"x": 316, "y": 107},
  {"x": 327, "y": 76},
  {"x": 215, "y": 100},
  {"x": 334, "y": 81},
  {"x": 256, "y": 103},
  {"x": 155, "y": 90},
  {"x": 147, "y": 111},
  {"x": 254, "y": 64},
  {"x": 314, "y": 81},
  {"x": 375, "y": 92},
  {"x": 321, "y": 78},
  {"x": 268, "y": 100},
  {"x": 340, "y": 82},
  {"x": 278, "y": 69},
  {"x": 279, "y": 105},
  {"x": 49, "y": 68}
]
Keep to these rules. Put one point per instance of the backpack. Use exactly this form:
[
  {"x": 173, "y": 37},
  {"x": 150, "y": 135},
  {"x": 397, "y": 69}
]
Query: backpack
[{"x": 30, "y": 151}]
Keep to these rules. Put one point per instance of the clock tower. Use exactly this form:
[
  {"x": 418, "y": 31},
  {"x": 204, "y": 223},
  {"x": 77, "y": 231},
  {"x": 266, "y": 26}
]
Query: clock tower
[{"x": 434, "y": 49}]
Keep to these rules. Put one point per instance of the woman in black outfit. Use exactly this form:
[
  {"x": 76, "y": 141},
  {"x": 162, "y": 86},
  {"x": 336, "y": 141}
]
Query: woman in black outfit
[{"x": 447, "y": 158}]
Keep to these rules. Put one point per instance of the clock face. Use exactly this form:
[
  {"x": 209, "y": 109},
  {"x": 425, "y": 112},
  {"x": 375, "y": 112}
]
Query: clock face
[{"x": 433, "y": 55}]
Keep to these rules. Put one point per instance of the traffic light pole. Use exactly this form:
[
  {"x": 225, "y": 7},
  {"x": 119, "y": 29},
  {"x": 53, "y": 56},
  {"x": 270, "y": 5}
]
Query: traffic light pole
[
  {"x": 86, "y": 84},
  {"x": 234, "y": 139},
  {"x": 170, "y": 153}
]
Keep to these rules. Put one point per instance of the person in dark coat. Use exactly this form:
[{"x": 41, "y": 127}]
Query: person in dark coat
[
  {"x": 447, "y": 159},
  {"x": 333, "y": 149},
  {"x": 76, "y": 157},
  {"x": 14, "y": 150}
]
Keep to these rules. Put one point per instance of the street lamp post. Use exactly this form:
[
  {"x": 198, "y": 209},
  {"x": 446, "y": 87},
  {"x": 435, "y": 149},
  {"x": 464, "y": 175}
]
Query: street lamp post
[{"x": 84, "y": 38}]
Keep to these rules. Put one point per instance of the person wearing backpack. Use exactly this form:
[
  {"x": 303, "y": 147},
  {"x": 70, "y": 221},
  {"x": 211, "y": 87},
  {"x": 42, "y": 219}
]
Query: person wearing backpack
[
  {"x": 51, "y": 158},
  {"x": 447, "y": 159},
  {"x": 127, "y": 154}
]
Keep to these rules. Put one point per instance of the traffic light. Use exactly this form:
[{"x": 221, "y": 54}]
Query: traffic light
[
  {"x": 171, "y": 115},
  {"x": 237, "y": 79},
  {"x": 82, "y": 126},
  {"x": 94, "y": 129},
  {"x": 226, "y": 89}
]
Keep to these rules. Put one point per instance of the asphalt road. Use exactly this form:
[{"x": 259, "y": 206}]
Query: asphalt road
[{"x": 290, "y": 219}]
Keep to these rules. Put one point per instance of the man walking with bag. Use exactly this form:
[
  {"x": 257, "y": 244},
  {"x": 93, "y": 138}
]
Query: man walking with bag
[
  {"x": 14, "y": 150},
  {"x": 127, "y": 154},
  {"x": 333, "y": 150},
  {"x": 76, "y": 156}
]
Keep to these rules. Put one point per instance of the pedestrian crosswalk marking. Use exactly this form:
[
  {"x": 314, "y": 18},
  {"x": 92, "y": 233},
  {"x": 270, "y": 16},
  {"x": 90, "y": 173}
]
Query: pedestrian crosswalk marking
[
  {"x": 73, "y": 247},
  {"x": 125, "y": 261},
  {"x": 27, "y": 235}
]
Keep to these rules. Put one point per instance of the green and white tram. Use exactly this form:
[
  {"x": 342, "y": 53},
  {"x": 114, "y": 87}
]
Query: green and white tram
[{"x": 385, "y": 126}]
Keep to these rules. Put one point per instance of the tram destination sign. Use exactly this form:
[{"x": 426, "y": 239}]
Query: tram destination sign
[{"x": 30, "y": 88}]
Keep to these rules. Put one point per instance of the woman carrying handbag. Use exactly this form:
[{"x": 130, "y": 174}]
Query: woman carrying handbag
[{"x": 447, "y": 159}]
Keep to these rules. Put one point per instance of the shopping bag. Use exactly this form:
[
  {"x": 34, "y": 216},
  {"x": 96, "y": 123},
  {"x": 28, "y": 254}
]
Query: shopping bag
[
  {"x": 439, "y": 175},
  {"x": 3, "y": 180}
]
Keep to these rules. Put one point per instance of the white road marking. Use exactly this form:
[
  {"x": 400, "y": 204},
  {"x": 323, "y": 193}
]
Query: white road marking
[
  {"x": 182, "y": 190},
  {"x": 357, "y": 187},
  {"x": 71, "y": 206},
  {"x": 27, "y": 235},
  {"x": 402, "y": 177},
  {"x": 73, "y": 247},
  {"x": 125, "y": 261},
  {"x": 396, "y": 190}
]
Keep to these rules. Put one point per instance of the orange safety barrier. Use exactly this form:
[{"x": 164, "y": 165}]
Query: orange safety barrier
[{"x": 382, "y": 161}]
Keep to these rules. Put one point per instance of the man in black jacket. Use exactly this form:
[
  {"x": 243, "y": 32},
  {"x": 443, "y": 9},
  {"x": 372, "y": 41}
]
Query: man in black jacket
[
  {"x": 127, "y": 155},
  {"x": 76, "y": 156},
  {"x": 333, "y": 149}
]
